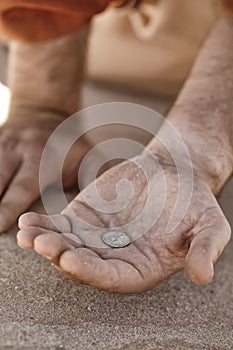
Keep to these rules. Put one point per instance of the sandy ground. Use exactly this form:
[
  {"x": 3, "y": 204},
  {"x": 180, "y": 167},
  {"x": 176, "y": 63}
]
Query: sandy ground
[{"x": 39, "y": 309}]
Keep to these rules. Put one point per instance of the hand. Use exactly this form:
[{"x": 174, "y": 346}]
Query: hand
[
  {"x": 195, "y": 244},
  {"x": 22, "y": 142}
]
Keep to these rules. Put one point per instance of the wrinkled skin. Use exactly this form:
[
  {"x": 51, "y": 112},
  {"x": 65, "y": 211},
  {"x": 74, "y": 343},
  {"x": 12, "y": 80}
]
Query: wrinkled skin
[
  {"x": 20, "y": 154},
  {"x": 195, "y": 244}
]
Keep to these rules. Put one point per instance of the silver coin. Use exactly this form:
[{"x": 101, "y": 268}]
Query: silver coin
[{"x": 116, "y": 239}]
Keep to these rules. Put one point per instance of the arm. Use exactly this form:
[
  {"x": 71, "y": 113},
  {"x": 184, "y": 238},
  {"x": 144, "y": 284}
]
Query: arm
[
  {"x": 203, "y": 116},
  {"x": 203, "y": 112},
  {"x": 46, "y": 77},
  {"x": 45, "y": 80}
]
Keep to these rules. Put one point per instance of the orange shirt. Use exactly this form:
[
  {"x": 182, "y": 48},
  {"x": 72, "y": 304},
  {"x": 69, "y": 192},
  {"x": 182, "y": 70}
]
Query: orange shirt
[
  {"x": 229, "y": 5},
  {"x": 34, "y": 20}
]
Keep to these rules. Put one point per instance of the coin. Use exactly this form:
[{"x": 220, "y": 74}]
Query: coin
[{"x": 116, "y": 239}]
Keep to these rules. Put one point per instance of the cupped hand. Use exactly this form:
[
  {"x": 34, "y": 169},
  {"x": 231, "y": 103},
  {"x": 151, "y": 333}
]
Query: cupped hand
[{"x": 153, "y": 255}]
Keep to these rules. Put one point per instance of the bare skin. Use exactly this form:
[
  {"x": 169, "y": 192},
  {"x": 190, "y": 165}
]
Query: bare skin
[
  {"x": 195, "y": 244},
  {"x": 20, "y": 153},
  {"x": 203, "y": 233},
  {"x": 44, "y": 93}
]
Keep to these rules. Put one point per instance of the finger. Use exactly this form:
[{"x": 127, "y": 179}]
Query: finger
[
  {"x": 22, "y": 192},
  {"x": 47, "y": 243},
  {"x": 110, "y": 275},
  {"x": 57, "y": 223},
  {"x": 27, "y": 236},
  {"x": 205, "y": 250},
  {"x": 7, "y": 169},
  {"x": 52, "y": 245}
]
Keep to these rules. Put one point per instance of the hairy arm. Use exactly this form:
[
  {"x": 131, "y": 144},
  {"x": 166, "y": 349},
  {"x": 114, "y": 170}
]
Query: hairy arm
[{"x": 203, "y": 112}]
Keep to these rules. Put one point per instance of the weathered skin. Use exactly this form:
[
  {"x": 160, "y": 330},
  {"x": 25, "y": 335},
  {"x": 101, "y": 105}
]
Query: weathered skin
[
  {"x": 45, "y": 90},
  {"x": 203, "y": 115}
]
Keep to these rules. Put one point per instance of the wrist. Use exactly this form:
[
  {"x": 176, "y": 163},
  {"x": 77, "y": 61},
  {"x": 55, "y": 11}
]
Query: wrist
[
  {"x": 47, "y": 76},
  {"x": 211, "y": 157},
  {"x": 29, "y": 113}
]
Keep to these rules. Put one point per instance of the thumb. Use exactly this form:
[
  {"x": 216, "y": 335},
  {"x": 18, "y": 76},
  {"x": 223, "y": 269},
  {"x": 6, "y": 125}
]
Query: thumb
[{"x": 204, "y": 251}]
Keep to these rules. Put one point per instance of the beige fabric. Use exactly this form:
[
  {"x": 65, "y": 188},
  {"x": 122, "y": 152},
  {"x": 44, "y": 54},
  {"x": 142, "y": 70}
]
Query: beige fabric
[{"x": 151, "y": 48}]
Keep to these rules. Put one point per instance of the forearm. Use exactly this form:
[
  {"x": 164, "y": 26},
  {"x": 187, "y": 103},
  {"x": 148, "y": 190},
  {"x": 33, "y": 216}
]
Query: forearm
[
  {"x": 203, "y": 113},
  {"x": 47, "y": 76}
]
